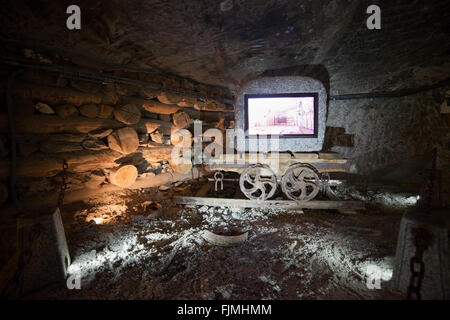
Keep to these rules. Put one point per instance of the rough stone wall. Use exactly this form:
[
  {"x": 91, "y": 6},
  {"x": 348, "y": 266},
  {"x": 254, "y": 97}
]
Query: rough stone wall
[
  {"x": 200, "y": 40},
  {"x": 394, "y": 136}
]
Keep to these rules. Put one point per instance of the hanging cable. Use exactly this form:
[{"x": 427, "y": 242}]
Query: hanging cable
[{"x": 391, "y": 94}]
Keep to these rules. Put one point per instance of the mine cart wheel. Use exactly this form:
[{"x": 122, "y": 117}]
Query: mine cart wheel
[
  {"x": 300, "y": 182},
  {"x": 258, "y": 182}
]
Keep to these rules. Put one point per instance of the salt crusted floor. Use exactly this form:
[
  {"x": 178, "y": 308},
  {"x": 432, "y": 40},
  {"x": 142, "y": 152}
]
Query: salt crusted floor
[{"x": 289, "y": 255}]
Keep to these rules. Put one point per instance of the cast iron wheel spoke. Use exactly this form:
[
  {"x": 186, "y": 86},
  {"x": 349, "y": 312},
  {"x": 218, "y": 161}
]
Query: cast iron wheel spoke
[
  {"x": 264, "y": 182},
  {"x": 303, "y": 186}
]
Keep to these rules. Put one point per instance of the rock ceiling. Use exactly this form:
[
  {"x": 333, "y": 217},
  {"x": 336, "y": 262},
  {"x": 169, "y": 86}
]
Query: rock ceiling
[{"x": 229, "y": 42}]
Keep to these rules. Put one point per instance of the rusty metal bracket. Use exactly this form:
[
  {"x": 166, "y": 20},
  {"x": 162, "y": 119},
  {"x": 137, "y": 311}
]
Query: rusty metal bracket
[{"x": 219, "y": 179}]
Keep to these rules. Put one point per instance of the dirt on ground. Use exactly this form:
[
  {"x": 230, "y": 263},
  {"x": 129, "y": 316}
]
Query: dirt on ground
[{"x": 140, "y": 245}]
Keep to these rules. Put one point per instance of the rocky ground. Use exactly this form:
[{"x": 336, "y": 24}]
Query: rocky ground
[{"x": 127, "y": 251}]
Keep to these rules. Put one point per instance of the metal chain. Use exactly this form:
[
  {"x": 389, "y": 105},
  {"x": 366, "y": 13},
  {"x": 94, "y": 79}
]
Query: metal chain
[
  {"x": 63, "y": 184},
  {"x": 430, "y": 187},
  {"x": 422, "y": 240}
]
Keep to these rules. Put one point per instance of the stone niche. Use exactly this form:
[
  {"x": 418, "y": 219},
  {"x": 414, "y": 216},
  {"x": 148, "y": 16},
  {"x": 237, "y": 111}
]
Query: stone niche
[{"x": 277, "y": 85}]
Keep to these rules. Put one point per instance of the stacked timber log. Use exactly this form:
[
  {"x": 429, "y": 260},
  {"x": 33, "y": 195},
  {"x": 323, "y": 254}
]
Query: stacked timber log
[
  {"x": 123, "y": 176},
  {"x": 108, "y": 133}
]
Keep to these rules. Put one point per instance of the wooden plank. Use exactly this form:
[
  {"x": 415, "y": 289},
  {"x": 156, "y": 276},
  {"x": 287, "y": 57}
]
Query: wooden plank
[
  {"x": 255, "y": 156},
  {"x": 46, "y": 124},
  {"x": 152, "y": 105},
  {"x": 282, "y": 157},
  {"x": 329, "y": 155},
  {"x": 58, "y": 95},
  {"x": 50, "y": 199},
  {"x": 320, "y": 164},
  {"x": 48, "y": 165},
  {"x": 270, "y": 204}
]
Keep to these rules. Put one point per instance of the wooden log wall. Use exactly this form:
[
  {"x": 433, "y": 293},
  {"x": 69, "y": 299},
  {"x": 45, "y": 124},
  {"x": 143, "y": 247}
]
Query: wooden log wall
[{"x": 100, "y": 129}]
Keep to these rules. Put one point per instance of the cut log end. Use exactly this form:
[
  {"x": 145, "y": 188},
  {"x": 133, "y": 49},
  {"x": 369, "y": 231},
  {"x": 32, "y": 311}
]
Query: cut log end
[
  {"x": 151, "y": 105},
  {"x": 180, "y": 100},
  {"x": 66, "y": 110},
  {"x": 181, "y": 167},
  {"x": 89, "y": 110},
  {"x": 124, "y": 176},
  {"x": 128, "y": 114},
  {"x": 105, "y": 111},
  {"x": 124, "y": 140},
  {"x": 181, "y": 119}
]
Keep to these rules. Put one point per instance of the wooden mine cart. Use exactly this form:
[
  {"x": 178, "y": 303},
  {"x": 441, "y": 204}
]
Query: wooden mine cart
[{"x": 297, "y": 173}]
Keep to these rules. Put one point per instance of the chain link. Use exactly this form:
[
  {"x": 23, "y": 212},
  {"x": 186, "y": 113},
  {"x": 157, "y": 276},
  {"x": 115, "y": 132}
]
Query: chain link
[
  {"x": 430, "y": 186},
  {"x": 218, "y": 181},
  {"x": 63, "y": 184},
  {"x": 422, "y": 240}
]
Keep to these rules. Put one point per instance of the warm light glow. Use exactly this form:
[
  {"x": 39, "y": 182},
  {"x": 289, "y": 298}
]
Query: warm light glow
[
  {"x": 104, "y": 214},
  {"x": 96, "y": 220}
]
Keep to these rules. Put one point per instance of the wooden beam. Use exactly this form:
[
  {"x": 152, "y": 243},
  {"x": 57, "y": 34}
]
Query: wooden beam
[
  {"x": 50, "y": 199},
  {"x": 48, "y": 165},
  {"x": 329, "y": 155},
  {"x": 208, "y": 116},
  {"x": 282, "y": 163},
  {"x": 271, "y": 204},
  {"x": 45, "y": 124},
  {"x": 152, "y": 106},
  {"x": 57, "y": 95}
]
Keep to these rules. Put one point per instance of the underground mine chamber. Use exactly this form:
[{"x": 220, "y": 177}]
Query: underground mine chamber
[{"x": 261, "y": 151}]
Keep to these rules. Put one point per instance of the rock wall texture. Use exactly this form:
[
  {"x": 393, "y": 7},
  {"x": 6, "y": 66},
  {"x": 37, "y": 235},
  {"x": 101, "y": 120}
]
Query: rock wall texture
[
  {"x": 394, "y": 137},
  {"x": 203, "y": 40}
]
